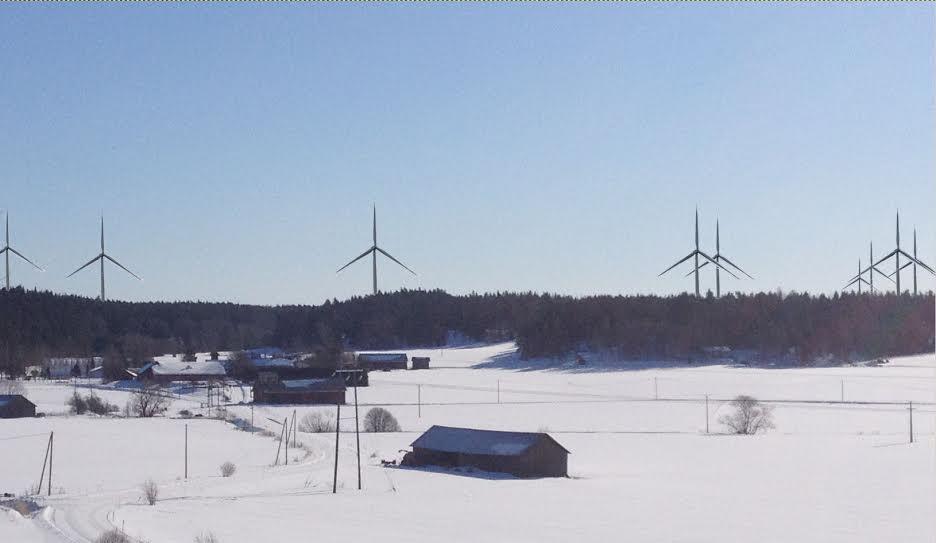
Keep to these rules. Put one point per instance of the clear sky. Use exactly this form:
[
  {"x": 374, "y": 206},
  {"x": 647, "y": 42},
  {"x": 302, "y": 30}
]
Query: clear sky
[{"x": 236, "y": 150}]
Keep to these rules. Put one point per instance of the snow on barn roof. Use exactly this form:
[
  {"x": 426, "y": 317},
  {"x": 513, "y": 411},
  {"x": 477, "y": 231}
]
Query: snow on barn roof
[
  {"x": 330, "y": 383},
  {"x": 473, "y": 441},
  {"x": 175, "y": 366}
]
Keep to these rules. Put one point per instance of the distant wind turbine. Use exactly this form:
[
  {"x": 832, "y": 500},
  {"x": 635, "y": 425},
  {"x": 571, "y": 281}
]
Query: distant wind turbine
[
  {"x": 719, "y": 257},
  {"x": 911, "y": 263},
  {"x": 6, "y": 253},
  {"x": 860, "y": 280},
  {"x": 896, "y": 254},
  {"x": 374, "y": 249},
  {"x": 696, "y": 254},
  {"x": 102, "y": 257}
]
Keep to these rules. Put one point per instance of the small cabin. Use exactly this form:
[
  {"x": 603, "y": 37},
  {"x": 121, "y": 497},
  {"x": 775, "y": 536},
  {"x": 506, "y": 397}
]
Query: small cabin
[
  {"x": 14, "y": 406},
  {"x": 522, "y": 454}
]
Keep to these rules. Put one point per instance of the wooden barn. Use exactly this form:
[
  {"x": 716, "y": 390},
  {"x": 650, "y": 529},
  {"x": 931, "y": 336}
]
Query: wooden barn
[
  {"x": 523, "y": 454},
  {"x": 382, "y": 361},
  {"x": 14, "y": 406},
  {"x": 169, "y": 371},
  {"x": 328, "y": 391}
]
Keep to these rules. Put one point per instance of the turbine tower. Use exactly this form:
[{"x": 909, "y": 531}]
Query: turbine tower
[
  {"x": 7, "y": 250},
  {"x": 911, "y": 263},
  {"x": 696, "y": 254},
  {"x": 374, "y": 249},
  {"x": 102, "y": 257},
  {"x": 719, "y": 257},
  {"x": 896, "y": 254}
]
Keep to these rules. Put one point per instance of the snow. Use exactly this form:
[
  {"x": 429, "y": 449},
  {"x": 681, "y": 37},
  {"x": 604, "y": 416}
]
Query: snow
[{"x": 642, "y": 467}]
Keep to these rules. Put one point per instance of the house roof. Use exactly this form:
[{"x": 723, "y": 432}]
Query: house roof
[
  {"x": 473, "y": 441},
  {"x": 330, "y": 383},
  {"x": 6, "y": 399},
  {"x": 179, "y": 367}
]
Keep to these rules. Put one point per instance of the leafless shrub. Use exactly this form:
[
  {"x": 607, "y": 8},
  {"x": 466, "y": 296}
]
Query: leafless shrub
[
  {"x": 316, "y": 422},
  {"x": 750, "y": 416},
  {"x": 77, "y": 405},
  {"x": 206, "y": 537},
  {"x": 150, "y": 491},
  {"x": 112, "y": 536},
  {"x": 228, "y": 469},
  {"x": 379, "y": 419},
  {"x": 148, "y": 401}
]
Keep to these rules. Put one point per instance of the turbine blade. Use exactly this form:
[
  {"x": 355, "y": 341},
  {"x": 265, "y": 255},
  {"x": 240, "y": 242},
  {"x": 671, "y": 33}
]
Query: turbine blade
[
  {"x": 893, "y": 273},
  {"x": 123, "y": 268},
  {"x": 692, "y": 271},
  {"x": 365, "y": 253},
  {"x": 735, "y": 266},
  {"x": 882, "y": 259},
  {"x": 912, "y": 259},
  {"x": 19, "y": 254},
  {"x": 386, "y": 254},
  {"x": 853, "y": 281},
  {"x": 687, "y": 257},
  {"x": 715, "y": 262},
  {"x": 92, "y": 261}
]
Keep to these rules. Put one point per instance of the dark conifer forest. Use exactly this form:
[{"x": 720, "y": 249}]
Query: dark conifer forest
[{"x": 845, "y": 326}]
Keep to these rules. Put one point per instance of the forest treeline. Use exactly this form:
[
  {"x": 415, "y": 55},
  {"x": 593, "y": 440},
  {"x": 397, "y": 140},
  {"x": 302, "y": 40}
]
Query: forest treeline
[{"x": 36, "y": 324}]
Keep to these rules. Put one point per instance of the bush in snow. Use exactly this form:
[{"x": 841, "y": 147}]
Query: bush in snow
[
  {"x": 316, "y": 422},
  {"x": 112, "y": 536},
  {"x": 150, "y": 491},
  {"x": 148, "y": 401},
  {"x": 379, "y": 419},
  {"x": 77, "y": 405},
  {"x": 100, "y": 407},
  {"x": 206, "y": 537},
  {"x": 228, "y": 469},
  {"x": 750, "y": 416}
]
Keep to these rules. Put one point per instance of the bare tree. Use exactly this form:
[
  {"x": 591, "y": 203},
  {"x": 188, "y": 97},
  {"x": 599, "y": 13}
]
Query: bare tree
[
  {"x": 112, "y": 536},
  {"x": 228, "y": 469},
  {"x": 750, "y": 416},
  {"x": 316, "y": 422},
  {"x": 206, "y": 537},
  {"x": 379, "y": 419},
  {"x": 148, "y": 401},
  {"x": 150, "y": 491}
]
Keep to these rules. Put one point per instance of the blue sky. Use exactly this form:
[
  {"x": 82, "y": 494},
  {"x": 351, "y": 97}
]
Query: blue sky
[{"x": 236, "y": 150}]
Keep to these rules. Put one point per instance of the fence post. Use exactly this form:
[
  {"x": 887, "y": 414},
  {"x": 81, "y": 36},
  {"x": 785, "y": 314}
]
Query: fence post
[
  {"x": 656, "y": 395},
  {"x": 498, "y": 391},
  {"x": 186, "y": 450},
  {"x": 706, "y": 414},
  {"x": 911, "y": 427},
  {"x": 419, "y": 401}
]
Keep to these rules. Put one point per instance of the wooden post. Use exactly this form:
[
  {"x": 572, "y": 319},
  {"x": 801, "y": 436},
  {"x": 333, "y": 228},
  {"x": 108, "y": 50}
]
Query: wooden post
[
  {"x": 419, "y": 400},
  {"x": 498, "y": 391},
  {"x": 186, "y": 451},
  {"x": 337, "y": 428},
  {"x": 45, "y": 460},
  {"x": 286, "y": 427},
  {"x": 357, "y": 431},
  {"x": 911, "y": 434},
  {"x": 706, "y": 414},
  {"x": 52, "y": 439},
  {"x": 279, "y": 447}
]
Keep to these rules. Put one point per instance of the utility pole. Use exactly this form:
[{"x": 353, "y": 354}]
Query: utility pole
[
  {"x": 45, "y": 460},
  {"x": 337, "y": 429},
  {"x": 52, "y": 439},
  {"x": 357, "y": 432},
  {"x": 286, "y": 427},
  {"x": 419, "y": 400},
  {"x": 498, "y": 391},
  {"x": 911, "y": 436}
]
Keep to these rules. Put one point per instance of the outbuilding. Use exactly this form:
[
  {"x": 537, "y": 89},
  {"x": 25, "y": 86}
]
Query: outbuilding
[
  {"x": 523, "y": 454},
  {"x": 420, "y": 363},
  {"x": 14, "y": 406},
  {"x": 328, "y": 391},
  {"x": 382, "y": 361}
]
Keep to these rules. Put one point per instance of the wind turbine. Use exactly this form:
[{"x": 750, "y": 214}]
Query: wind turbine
[
  {"x": 7, "y": 250},
  {"x": 719, "y": 257},
  {"x": 374, "y": 249},
  {"x": 860, "y": 280},
  {"x": 696, "y": 254},
  {"x": 913, "y": 263},
  {"x": 102, "y": 257},
  {"x": 896, "y": 254}
]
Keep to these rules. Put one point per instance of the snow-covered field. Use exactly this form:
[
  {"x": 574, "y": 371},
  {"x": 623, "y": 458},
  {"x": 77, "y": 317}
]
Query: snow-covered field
[{"x": 642, "y": 467}]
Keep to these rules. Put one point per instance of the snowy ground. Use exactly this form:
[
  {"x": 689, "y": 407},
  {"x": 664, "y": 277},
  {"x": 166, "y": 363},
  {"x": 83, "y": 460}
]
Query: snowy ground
[{"x": 642, "y": 467}]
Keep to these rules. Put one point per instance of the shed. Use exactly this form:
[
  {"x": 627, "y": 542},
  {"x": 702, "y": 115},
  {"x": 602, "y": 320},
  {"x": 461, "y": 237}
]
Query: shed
[
  {"x": 328, "y": 391},
  {"x": 382, "y": 361},
  {"x": 523, "y": 454},
  {"x": 420, "y": 363},
  {"x": 14, "y": 406}
]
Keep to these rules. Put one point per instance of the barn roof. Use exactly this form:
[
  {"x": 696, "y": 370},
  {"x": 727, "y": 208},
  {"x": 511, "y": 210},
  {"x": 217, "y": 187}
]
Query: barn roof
[
  {"x": 330, "y": 383},
  {"x": 473, "y": 441},
  {"x": 179, "y": 367},
  {"x": 6, "y": 399}
]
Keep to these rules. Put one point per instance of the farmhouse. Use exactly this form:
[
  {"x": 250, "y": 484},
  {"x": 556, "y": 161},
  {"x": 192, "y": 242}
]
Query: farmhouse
[
  {"x": 523, "y": 454},
  {"x": 171, "y": 370},
  {"x": 382, "y": 361},
  {"x": 328, "y": 391},
  {"x": 13, "y": 406}
]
